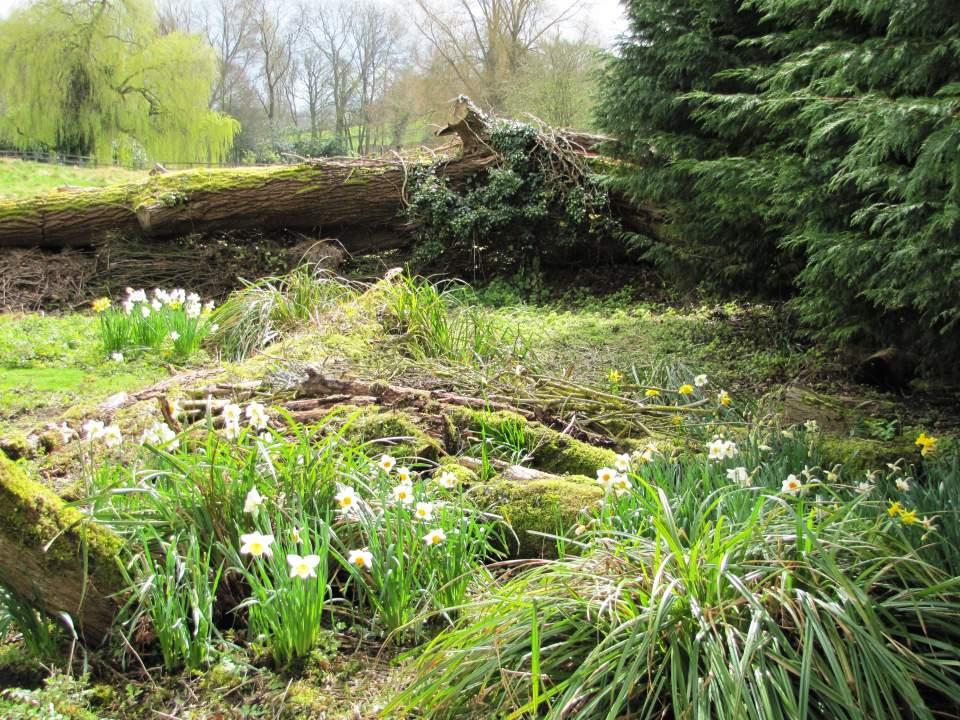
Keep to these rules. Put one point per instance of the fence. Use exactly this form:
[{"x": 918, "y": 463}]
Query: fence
[{"x": 55, "y": 158}]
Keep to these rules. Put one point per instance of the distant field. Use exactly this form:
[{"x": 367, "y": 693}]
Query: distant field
[{"x": 19, "y": 178}]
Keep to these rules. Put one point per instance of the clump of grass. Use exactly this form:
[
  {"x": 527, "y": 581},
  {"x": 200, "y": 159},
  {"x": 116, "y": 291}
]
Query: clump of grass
[
  {"x": 433, "y": 323},
  {"x": 262, "y": 312},
  {"x": 697, "y": 597}
]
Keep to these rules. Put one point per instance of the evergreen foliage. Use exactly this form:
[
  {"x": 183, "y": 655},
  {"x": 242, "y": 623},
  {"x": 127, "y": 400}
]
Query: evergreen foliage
[
  {"x": 99, "y": 78},
  {"x": 809, "y": 139}
]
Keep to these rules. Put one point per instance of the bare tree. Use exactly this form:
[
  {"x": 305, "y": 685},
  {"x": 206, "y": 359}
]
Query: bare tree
[
  {"x": 329, "y": 31},
  {"x": 485, "y": 41},
  {"x": 312, "y": 77},
  {"x": 274, "y": 38},
  {"x": 375, "y": 38},
  {"x": 228, "y": 26}
]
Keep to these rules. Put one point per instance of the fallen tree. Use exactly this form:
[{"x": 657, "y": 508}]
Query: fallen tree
[{"x": 345, "y": 196}]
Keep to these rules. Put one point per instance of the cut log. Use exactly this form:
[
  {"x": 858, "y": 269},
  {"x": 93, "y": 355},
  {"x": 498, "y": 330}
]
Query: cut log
[
  {"x": 54, "y": 558},
  {"x": 349, "y": 197}
]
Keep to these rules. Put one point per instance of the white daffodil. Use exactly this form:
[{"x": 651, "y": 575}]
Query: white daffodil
[
  {"x": 423, "y": 511},
  {"x": 256, "y": 544},
  {"x": 435, "y": 537},
  {"x": 621, "y": 484},
  {"x": 156, "y": 305},
  {"x": 346, "y": 498},
  {"x": 718, "y": 449},
  {"x": 622, "y": 463},
  {"x": 192, "y": 310},
  {"x": 903, "y": 484},
  {"x": 253, "y": 501},
  {"x": 257, "y": 416},
  {"x": 811, "y": 426},
  {"x": 137, "y": 296},
  {"x": 296, "y": 536},
  {"x": 387, "y": 463},
  {"x": 145, "y": 310},
  {"x": 791, "y": 485},
  {"x": 232, "y": 413},
  {"x": 605, "y": 477},
  {"x": 92, "y": 430},
  {"x": 174, "y": 335},
  {"x": 447, "y": 480},
  {"x": 404, "y": 475},
  {"x": 739, "y": 475},
  {"x": 159, "y": 434},
  {"x": 361, "y": 558},
  {"x": 208, "y": 306},
  {"x": 111, "y": 436},
  {"x": 127, "y": 307},
  {"x": 403, "y": 493},
  {"x": 303, "y": 567},
  {"x": 193, "y": 298},
  {"x": 231, "y": 430},
  {"x": 864, "y": 487},
  {"x": 117, "y": 357},
  {"x": 700, "y": 380}
]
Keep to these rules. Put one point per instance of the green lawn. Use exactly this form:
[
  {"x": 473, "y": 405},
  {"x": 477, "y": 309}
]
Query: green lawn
[
  {"x": 49, "y": 363},
  {"x": 21, "y": 179}
]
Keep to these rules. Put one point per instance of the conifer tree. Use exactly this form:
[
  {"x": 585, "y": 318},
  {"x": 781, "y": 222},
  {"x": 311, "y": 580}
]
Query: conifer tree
[
  {"x": 838, "y": 139},
  {"x": 99, "y": 78}
]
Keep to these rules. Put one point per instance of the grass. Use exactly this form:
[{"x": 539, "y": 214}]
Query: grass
[
  {"x": 20, "y": 178},
  {"x": 49, "y": 363}
]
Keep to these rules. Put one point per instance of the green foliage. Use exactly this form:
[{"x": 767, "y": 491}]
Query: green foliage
[
  {"x": 513, "y": 215},
  {"x": 787, "y": 131},
  {"x": 101, "y": 79},
  {"x": 262, "y": 312},
  {"x": 697, "y": 596}
]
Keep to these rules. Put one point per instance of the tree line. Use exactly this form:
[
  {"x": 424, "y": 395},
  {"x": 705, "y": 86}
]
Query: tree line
[{"x": 245, "y": 80}]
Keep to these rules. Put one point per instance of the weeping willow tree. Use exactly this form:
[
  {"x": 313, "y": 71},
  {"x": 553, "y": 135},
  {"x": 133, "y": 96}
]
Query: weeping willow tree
[{"x": 96, "y": 77}]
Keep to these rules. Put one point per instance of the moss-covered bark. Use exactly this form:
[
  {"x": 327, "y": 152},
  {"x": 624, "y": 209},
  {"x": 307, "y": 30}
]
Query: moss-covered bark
[
  {"x": 540, "y": 506},
  {"x": 55, "y": 558}
]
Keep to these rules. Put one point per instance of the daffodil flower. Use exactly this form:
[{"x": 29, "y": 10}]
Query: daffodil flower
[
  {"x": 257, "y": 416},
  {"x": 791, "y": 485},
  {"x": 346, "y": 498},
  {"x": 622, "y": 463},
  {"x": 700, "y": 380},
  {"x": 686, "y": 389},
  {"x": 903, "y": 484},
  {"x": 651, "y": 393},
  {"x": 895, "y": 509},
  {"x": 403, "y": 493},
  {"x": 435, "y": 537},
  {"x": 404, "y": 475},
  {"x": 864, "y": 488},
  {"x": 232, "y": 413},
  {"x": 253, "y": 501},
  {"x": 256, "y": 544},
  {"x": 101, "y": 304},
  {"x": 926, "y": 443},
  {"x": 387, "y": 463},
  {"x": 739, "y": 475},
  {"x": 724, "y": 398},
  {"x": 361, "y": 558},
  {"x": 605, "y": 477},
  {"x": 423, "y": 511},
  {"x": 303, "y": 567},
  {"x": 447, "y": 480}
]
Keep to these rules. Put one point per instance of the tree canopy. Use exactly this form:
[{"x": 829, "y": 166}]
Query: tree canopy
[
  {"x": 806, "y": 142},
  {"x": 97, "y": 77}
]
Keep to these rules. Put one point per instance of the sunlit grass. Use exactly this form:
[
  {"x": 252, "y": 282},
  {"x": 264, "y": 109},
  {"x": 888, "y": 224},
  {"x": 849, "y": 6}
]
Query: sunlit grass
[{"x": 19, "y": 178}]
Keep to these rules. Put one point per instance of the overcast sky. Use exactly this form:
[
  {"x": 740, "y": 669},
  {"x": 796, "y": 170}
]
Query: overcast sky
[{"x": 606, "y": 16}]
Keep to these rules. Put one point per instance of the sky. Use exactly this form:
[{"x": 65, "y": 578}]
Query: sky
[{"x": 606, "y": 16}]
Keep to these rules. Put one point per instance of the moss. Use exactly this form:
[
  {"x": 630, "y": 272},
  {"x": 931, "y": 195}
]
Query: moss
[
  {"x": 539, "y": 506},
  {"x": 551, "y": 451},
  {"x": 37, "y": 518},
  {"x": 15, "y": 446},
  {"x": 18, "y": 668},
  {"x": 305, "y": 700},
  {"x": 465, "y": 476},
  {"x": 377, "y": 428},
  {"x": 859, "y": 455}
]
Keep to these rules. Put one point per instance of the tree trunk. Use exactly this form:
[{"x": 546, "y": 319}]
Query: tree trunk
[
  {"x": 331, "y": 196},
  {"x": 54, "y": 558}
]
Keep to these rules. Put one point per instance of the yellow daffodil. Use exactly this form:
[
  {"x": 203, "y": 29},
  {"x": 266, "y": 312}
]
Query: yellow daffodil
[
  {"x": 686, "y": 389},
  {"x": 677, "y": 420},
  {"x": 651, "y": 392},
  {"x": 895, "y": 509},
  {"x": 614, "y": 376},
  {"x": 100, "y": 304},
  {"x": 908, "y": 517},
  {"x": 926, "y": 443},
  {"x": 724, "y": 398}
]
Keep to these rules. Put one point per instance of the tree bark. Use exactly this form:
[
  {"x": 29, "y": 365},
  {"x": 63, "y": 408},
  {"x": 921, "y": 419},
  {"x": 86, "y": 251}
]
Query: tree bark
[
  {"x": 337, "y": 195},
  {"x": 56, "y": 559}
]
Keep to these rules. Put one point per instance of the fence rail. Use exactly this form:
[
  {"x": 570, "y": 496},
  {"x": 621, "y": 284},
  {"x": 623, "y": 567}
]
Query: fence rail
[{"x": 55, "y": 158}]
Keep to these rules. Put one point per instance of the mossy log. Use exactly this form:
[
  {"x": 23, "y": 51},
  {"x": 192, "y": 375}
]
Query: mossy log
[
  {"x": 54, "y": 558},
  {"x": 348, "y": 197}
]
